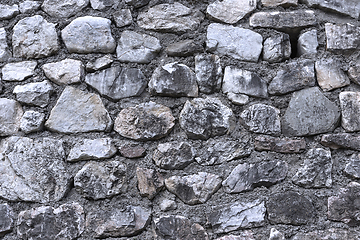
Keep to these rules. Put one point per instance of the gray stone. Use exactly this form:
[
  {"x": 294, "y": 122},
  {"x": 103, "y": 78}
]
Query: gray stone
[
  {"x": 328, "y": 234},
  {"x": 67, "y": 71},
  {"x": 276, "y": 235},
  {"x": 290, "y": 208},
  {"x": 208, "y": 72},
  {"x": 29, "y": 6},
  {"x": 239, "y": 43},
  {"x": 5, "y": 53},
  {"x": 32, "y": 121},
  {"x": 99, "y": 63},
  {"x": 329, "y": 74},
  {"x": 33, "y": 170},
  {"x": 240, "y": 215},
  {"x": 18, "y": 71},
  {"x": 238, "y": 99},
  {"x": 65, "y": 222},
  {"x": 77, "y": 111},
  {"x": 244, "y": 235},
  {"x": 353, "y": 166},
  {"x": 10, "y": 116},
  {"x": 137, "y": 3},
  {"x": 34, "y": 37},
  {"x": 203, "y": 118},
  {"x": 274, "y": 3},
  {"x": 117, "y": 83},
  {"x": 146, "y": 121},
  {"x": 174, "y": 80},
  {"x": 281, "y": 145},
  {"x": 341, "y": 140},
  {"x": 136, "y": 47},
  {"x": 63, "y": 8},
  {"x": 347, "y": 7},
  {"x": 183, "y": 48},
  {"x": 99, "y": 180},
  {"x": 173, "y": 155},
  {"x": 174, "y": 18},
  {"x": 354, "y": 72},
  {"x": 132, "y": 151},
  {"x": 277, "y": 48},
  {"x": 88, "y": 149},
  {"x": 89, "y": 35},
  {"x": 350, "y": 109},
  {"x": 230, "y": 11},
  {"x": 8, "y": 12},
  {"x": 167, "y": 205},
  {"x": 101, "y": 4},
  {"x": 150, "y": 182},
  {"x": 239, "y": 81},
  {"x": 307, "y": 43},
  {"x": 7, "y": 219},
  {"x": 311, "y": 104},
  {"x": 37, "y": 93},
  {"x": 293, "y": 76},
  {"x": 123, "y": 17},
  {"x": 342, "y": 38}
]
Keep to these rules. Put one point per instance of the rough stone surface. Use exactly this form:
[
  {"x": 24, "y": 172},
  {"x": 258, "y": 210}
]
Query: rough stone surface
[
  {"x": 245, "y": 235},
  {"x": 18, "y": 71},
  {"x": 350, "y": 109},
  {"x": 342, "y": 37},
  {"x": 63, "y": 8},
  {"x": 277, "y": 48},
  {"x": 67, "y": 71},
  {"x": 99, "y": 63},
  {"x": 274, "y": 3},
  {"x": 328, "y": 234},
  {"x": 150, "y": 182},
  {"x": 341, "y": 140},
  {"x": 329, "y": 74},
  {"x": 132, "y": 151},
  {"x": 101, "y": 4},
  {"x": 347, "y": 7},
  {"x": 183, "y": 48},
  {"x": 208, "y": 72},
  {"x": 7, "y": 218},
  {"x": 28, "y": 6},
  {"x": 238, "y": 99},
  {"x": 10, "y": 116},
  {"x": 123, "y": 18},
  {"x": 307, "y": 43},
  {"x": 354, "y": 72},
  {"x": 36, "y": 94},
  {"x": 5, "y": 53},
  {"x": 137, "y": 3},
  {"x": 276, "y": 235},
  {"x": 8, "y": 11},
  {"x": 167, "y": 205},
  {"x": 353, "y": 166},
  {"x": 281, "y": 145},
  {"x": 32, "y": 121}
]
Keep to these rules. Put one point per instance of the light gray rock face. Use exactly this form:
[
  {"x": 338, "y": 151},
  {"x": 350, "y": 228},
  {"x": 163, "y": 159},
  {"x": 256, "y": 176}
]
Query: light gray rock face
[
  {"x": 230, "y": 11},
  {"x": 5, "y": 53},
  {"x": 244, "y": 235},
  {"x": 99, "y": 63},
  {"x": 342, "y": 38},
  {"x": 123, "y": 17},
  {"x": 7, "y": 218},
  {"x": 328, "y": 234},
  {"x": 33, "y": 170},
  {"x": 238, "y": 99},
  {"x": 277, "y": 48},
  {"x": 353, "y": 166},
  {"x": 28, "y": 6},
  {"x": 329, "y": 74},
  {"x": 194, "y": 189},
  {"x": 99, "y": 180},
  {"x": 137, "y": 3},
  {"x": 18, "y": 71},
  {"x": 354, "y": 72},
  {"x": 8, "y": 12},
  {"x": 167, "y": 205},
  {"x": 150, "y": 182},
  {"x": 208, "y": 72},
  {"x": 65, "y": 222},
  {"x": 308, "y": 43},
  {"x": 184, "y": 48},
  {"x": 89, "y": 35},
  {"x": 276, "y": 235},
  {"x": 32, "y": 121},
  {"x": 145, "y": 121},
  {"x": 312, "y": 104},
  {"x": 239, "y": 81},
  {"x": 173, "y": 80},
  {"x": 347, "y": 7},
  {"x": 101, "y": 4},
  {"x": 350, "y": 110},
  {"x": 341, "y": 140},
  {"x": 239, "y": 43},
  {"x": 173, "y": 155},
  {"x": 274, "y": 3},
  {"x": 293, "y": 76},
  {"x": 34, "y": 37},
  {"x": 88, "y": 149},
  {"x": 10, "y": 116},
  {"x": 77, "y": 111},
  {"x": 117, "y": 83},
  {"x": 231, "y": 217},
  {"x": 137, "y": 47},
  {"x": 63, "y": 8},
  {"x": 174, "y": 18},
  {"x": 67, "y": 71},
  {"x": 203, "y": 118},
  {"x": 281, "y": 145},
  {"x": 37, "y": 94}
]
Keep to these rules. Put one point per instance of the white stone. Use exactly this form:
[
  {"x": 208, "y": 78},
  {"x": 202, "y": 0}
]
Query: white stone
[
  {"x": 37, "y": 93},
  {"x": 230, "y": 11},
  {"x": 308, "y": 43},
  {"x": 28, "y": 6},
  {"x": 67, "y": 71},
  {"x": 18, "y": 71},
  {"x": 238, "y": 99},
  {"x": 8, "y": 12},
  {"x": 32, "y": 121}
]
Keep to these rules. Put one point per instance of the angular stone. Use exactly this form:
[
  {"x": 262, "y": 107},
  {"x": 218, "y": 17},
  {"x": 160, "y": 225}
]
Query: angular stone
[
  {"x": 276, "y": 235},
  {"x": 137, "y": 3},
  {"x": 65, "y": 222},
  {"x": 293, "y": 76},
  {"x": 10, "y": 116},
  {"x": 354, "y": 72},
  {"x": 274, "y": 3},
  {"x": 88, "y": 149},
  {"x": 67, "y": 71},
  {"x": 34, "y": 37},
  {"x": 208, "y": 72},
  {"x": 238, "y": 99},
  {"x": 8, "y": 12},
  {"x": 239, "y": 43},
  {"x": 240, "y": 215},
  {"x": 32, "y": 121},
  {"x": 99, "y": 180},
  {"x": 150, "y": 182},
  {"x": 307, "y": 43},
  {"x": 245, "y": 177},
  {"x": 277, "y": 48},
  {"x": 174, "y": 18},
  {"x": 28, "y": 6},
  {"x": 245, "y": 235},
  {"x": 328, "y": 234},
  {"x": 350, "y": 109},
  {"x": 342, "y": 38},
  {"x": 89, "y": 35},
  {"x": 137, "y": 48},
  {"x": 101, "y": 4},
  {"x": 174, "y": 80},
  {"x": 203, "y": 118},
  {"x": 5, "y": 53},
  {"x": 99, "y": 63},
  {"x": 18, "y": 71},
  {"x": 183, "y": 48},
  {"x": 146, "y": 121},
  {"x": 281, "y": 145},
  {"x": 132, "y": 151},
  {"x": 353, "y": 166},
  {"x": 33, "y": 170},
  {"x": 173, "y": 155},
  {"x": 63, "y": 8},
  {"x": 347, "y": 7},
  {"x": 7, "y": 218},
  {"x": 329, "y": 74},
  {"x": 117, "y": 83},
  {"x": 123, "y": 18},
  {"x": 167, "y": 205},
  {"x": 312, "y": 104},
  {"x": 77, "y": 111},
  {"x": 37, "y": 93},
  {"x": 230, "y": 11},
  {"x": 341, "y": 140}
]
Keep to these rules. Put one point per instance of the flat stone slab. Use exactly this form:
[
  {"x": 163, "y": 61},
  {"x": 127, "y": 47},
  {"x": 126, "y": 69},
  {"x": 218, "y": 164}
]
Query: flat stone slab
[
  {"x": 150, "y": 182},
  {"x": 99, "y": 63},
  {"x": 329, "y": 74},
  {"x": 350, "y": 109},
  {"x": 36, "y": 94},
  {"x": 230, "y": 11},
  {"x": 281, "y": 145},
  {"x": 208, "y": 72},
  {"x": 7, "y": 218},
  {"x": 18, "y": 71},
  {"x": 63, "y": 8},
  {"x": 184, "y": 48},
  {"x": 10, "y": 116},
  {"x": 341, "y": 140},
  {"x": 67, "y": 71},
  {"x": 347, "y": 7},
  {"x": 342, "y": 38}
]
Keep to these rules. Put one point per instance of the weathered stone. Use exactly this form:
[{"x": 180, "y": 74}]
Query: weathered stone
[
  {"x": 183, "y": 48},
  {"x": 173, "y": 155},
  {"x": 240, "y": 215},
  {"x": 350, "y": 109},
  {"x": 34, "y": 37},
  {"x": 99, "y": 63},
  {"x": 245, "y": 177},
  {"x": 132, "y": 151},
  {"x": 353, "y": 166},
  {"x": 65, "y": 222},
  {"x": 208, "y": 73},
  {"x": 5, "y": 53},
  {"x": 101, "y": 4},
  {"x": 123, "y": 17},
  {"x": 33, "y": 170},
  {"x": 281, "y": 145},
  {"x": 239, "y": 43},
  {"x": 7, "y": 218},
  {"x": 194, "y": 189},
  {"x": 136, "y": 47},
  {"x": 89, "y": 35},
  {"x": 145, "y": 121},
  {"x": 329, "y": 74},
  {"x": 238, "y": 99},
  {"x": 274, "y": 3},
  {"x": 311, "y": 104},
  {"x": 137, "y": 3},
  {"x": 293, "y": 76},
  {"x": 347, "y": 7},
  {"x": 342, "y": 38},
  {"x": 328, "y": 234},
  {"x": 77, "y": 111},
  {"x": 167, "y": 205},
  {"x": 18, "y": 71},
  {"x": 37, "y": 93},
  {"x": 10, "y": 116},
  {"x": 28, "y": 6},
  {"x": 276, "y": 235},
  {"x": 63, "y": 8},
  {"x": 150, "y": 182},
  {"x": 174, "y": 80},
  {"x": 173, "y": 17},
  {"x": 230, "y": 11},
  {"x": 244, "y": 82},
  {"x": 67, "y": 71},
  {"x": 203, "y": 118},
  {"x": 8, "y": 12},
  {"x": 354, "y": 72},
  {"x": 341, "y": 140},
  {"x": 88, "y": 149},
  {"x": 307, "y": 43},
  {"x": 245, "y": 235},
  {"x": 99, "y": 180},
  {"x": 32, "y": 121},
  {"x": 277, "y": 48},
  {"x": 290, "y": 208},
  {"x": 179, "y": 227},
  {"x": 117, "y": 83}
]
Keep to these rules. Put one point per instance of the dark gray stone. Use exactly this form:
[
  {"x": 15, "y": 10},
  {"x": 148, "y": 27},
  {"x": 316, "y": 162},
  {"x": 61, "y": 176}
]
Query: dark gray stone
[
  {"x": 10, "y": 116},
  {"x": 281, "y": 145},
  {"x": 328, "y": 234},
  {"x": 347, "y": 7},
  {"x": 7, "y": 219},
  {"x": 32, "y": 121},
  {"x": 350, "y": 110},
  {"x": 132, "y": 151},
  {"x": 353, "y": 166},
  {"x": 341, "y": 140},
  {"x": 277, "y": 48},
  {"x": 123, "y": 17},
  {"x": 150, "y": 182},
  {"x": 184, "y": 48},
  {"x": 137, "y": 3},
  {"x": 208, "y": 73},
  {"x": 63, "y": 8},
  {"x": 36, "y": 94},
  {"x": 330, "y": 75}
]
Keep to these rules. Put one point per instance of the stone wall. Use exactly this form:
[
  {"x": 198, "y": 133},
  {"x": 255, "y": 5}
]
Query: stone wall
[{"x": 188, "y": 120}]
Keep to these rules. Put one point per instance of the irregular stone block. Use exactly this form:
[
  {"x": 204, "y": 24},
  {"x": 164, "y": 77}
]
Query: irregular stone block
[
  {"x": 307, "y": 43},
  {"x": 354, "y": 72},
  {"x": 167, "y": 205},
  {"x": 123, "y": 18},
  {"x": 63, "y": 8},
  {"x": 183, "y": 48},
  {"x": 8, "y": 12},
  {"x": 347, "y": 7},
  {"x": 208, "y": 72},
  {"x": 5, "y": 53},
  {"x": 342, "y": 38},
  {"x": 37, "y": 93},
  {"x": 230, "y": 11},
  {"x": 67, "y": 71},
  {"x": 10, "y": 116},
  {"x": 32, "y": 121},
  {"x": 7, "y": 219},
  {"x": 328, "y": 234},
  {"x": 132, "y": 151},
  {"x": 101, "y": 4},
  {"x": 137, "y": 3},
  {"x": 28, "y": 6},
  {"x": 341, "y": 140},
  {"x": 274, "y": 3},
  {"x": 281, "y": 145},
  {"x": 277, "y": 48},
  {"x": 99, "y": 63},
  {"x": 350, "y": 108},
  {"x": 329, "y": 74},
  {"x": 18, "y": 71},
  {"x": 150, "y": 182},
  {"x": 353, "y": 166}
]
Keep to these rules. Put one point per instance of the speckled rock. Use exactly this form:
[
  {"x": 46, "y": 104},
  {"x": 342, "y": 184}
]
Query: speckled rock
[
  {"x": 348, "y": 7},
  {"x": 353, "y": 166},
  {"x": 208, "y": 72},
  {"x": 18, "y": 71},
  {"x": 32, "y": 121},
  {"x": 184, "y": 48},
  {"x": 150, "y": 182},
  {"x": 7, "y": 218},
  {"x": 123, "y": 17},
  {"x": 329, "y": 74},
  {"x": 342, "y": 38},
  {"x": 10, "y": 116},
  {"x": 67, "y": 71},
  {"x": 328, "y": 234},
  {"x": 281, "y": 145},
  {"x": 350, "y": 109},
  {"x": 308, "y": 43},
  {"x": 277, "y": 48},
  {"x": 36, "y": 94},
  {"x": 8, "y": 11},
  {"x": 5, "y": 53},
  {"x": 341, "y": 140},
  {"x": 63, "y": 8}
]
